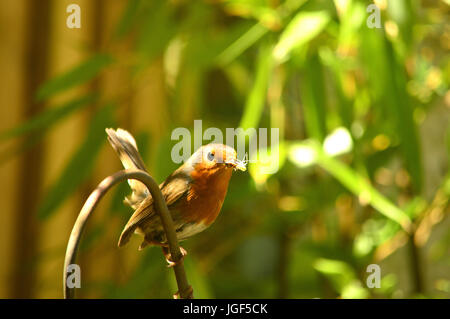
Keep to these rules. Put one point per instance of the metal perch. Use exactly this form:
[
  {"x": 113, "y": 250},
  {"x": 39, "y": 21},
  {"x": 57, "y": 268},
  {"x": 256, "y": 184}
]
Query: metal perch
[{"x": 184, "y": 289}]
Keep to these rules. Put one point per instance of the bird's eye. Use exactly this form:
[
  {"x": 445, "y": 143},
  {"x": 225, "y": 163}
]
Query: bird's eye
[{"x": 210, "y": 156}]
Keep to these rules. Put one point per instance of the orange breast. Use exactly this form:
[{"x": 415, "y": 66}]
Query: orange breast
[{"x": 206, "y": 195}]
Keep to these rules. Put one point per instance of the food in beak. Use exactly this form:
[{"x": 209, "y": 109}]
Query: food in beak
[{"x": 238, "y": 164}]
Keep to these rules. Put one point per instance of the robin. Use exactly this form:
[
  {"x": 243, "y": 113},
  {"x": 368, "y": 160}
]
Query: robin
[{"x": 194, "y": 192}]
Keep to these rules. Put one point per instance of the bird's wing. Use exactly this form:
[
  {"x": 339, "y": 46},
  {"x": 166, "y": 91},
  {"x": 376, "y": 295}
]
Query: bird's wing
[{"x": 173, "y": 189}]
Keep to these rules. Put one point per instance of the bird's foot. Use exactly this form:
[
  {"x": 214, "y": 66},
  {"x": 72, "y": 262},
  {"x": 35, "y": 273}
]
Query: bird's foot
[{"x": 168, "y": 256}]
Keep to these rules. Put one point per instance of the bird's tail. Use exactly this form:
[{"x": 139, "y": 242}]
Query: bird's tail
[{"x": 126, "y": 147}]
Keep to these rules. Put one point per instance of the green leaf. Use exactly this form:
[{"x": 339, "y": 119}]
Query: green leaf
[
  {"x": 340, "y": 273},
  {"x": 78, "y": 75},
  {"x": 401, "y": 106},
  {"x": 300, "y": 30},
  {"x": 388, "y": 81},
  {"x": 374, "y": 232},
  {"x": 338, "y": 68},
  {"x": 343, "y": 278},
  {"x": 150, "y": 42},
  {"x": 310, "y": 152},
  {"x": 313, "y": 97},
  {"x": 49, "y": 117},
  {"x": 255, "y": 32},
  {"x": 128, "y": 18},
  {"x": 245, "y": 41},
  {"x": 260, "y": 10},
  {"x": 256, "y": 100},
  {"x": 358, "y": 185},
  {"x": 402, "y": 13},
  {"x": 80, "y": 164},
  {"x": 447, "y": 144},
  {"x": 354, "y": 290}
]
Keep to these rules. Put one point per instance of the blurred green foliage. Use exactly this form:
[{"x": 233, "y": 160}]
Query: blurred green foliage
[{"x": 349, "y": 101}]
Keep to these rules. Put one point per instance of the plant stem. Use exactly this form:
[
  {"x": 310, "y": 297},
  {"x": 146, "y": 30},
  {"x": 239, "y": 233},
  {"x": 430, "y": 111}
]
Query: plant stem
[{"x": 184, "y": 289}]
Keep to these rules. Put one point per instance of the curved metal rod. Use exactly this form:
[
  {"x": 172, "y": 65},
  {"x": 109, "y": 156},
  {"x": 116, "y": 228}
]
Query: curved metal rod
[{"x": 184, "y": 290}]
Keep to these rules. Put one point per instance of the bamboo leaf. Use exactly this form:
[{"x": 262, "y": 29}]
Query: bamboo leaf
[
  {"x": 313, "y": 98},
  {"x": 402, "y": 109},
  {"x": 359, "y": 185},
  {"x": 78, "y": 75},
  {"x": 256, "y": 100},
  {"x": 340, "y": 273},
  {"x": 158, "y": 17},
  {"x": 302, "y": 28},
  {"x": 388, "y": 87},
  {"x": 80, "y": 165},
  {"x": 311, "y": 152},
  {"x": 128, "y": 18},
  {"x": 245, "y": 41},
  {"x": 49, "y": 117}
]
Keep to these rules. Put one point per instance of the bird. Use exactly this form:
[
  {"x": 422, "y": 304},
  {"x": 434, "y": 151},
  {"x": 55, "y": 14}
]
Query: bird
[{"x": 194, "y": 192}]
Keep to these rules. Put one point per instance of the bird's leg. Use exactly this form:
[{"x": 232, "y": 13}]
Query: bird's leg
[{"x": 168, "y": 255}]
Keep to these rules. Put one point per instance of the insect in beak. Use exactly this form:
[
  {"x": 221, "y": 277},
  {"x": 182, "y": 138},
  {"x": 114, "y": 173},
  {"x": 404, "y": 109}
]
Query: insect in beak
[{"x": 238, "y": 164}]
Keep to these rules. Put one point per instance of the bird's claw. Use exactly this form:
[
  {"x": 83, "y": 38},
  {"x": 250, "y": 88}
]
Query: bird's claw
[{"x": 168, "y": 256}]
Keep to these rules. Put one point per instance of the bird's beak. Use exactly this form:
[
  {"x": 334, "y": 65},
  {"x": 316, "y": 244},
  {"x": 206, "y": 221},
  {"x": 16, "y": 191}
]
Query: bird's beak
[{"x": 237, "y": 164}]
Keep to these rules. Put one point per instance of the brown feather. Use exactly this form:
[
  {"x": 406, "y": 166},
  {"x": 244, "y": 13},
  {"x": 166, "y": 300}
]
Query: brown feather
[
  {"x": 173, "y": 188},
  {"x": 125, "y": 146}
]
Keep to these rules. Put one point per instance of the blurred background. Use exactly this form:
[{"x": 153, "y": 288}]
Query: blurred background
[{"x": 363, "y": 107}]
